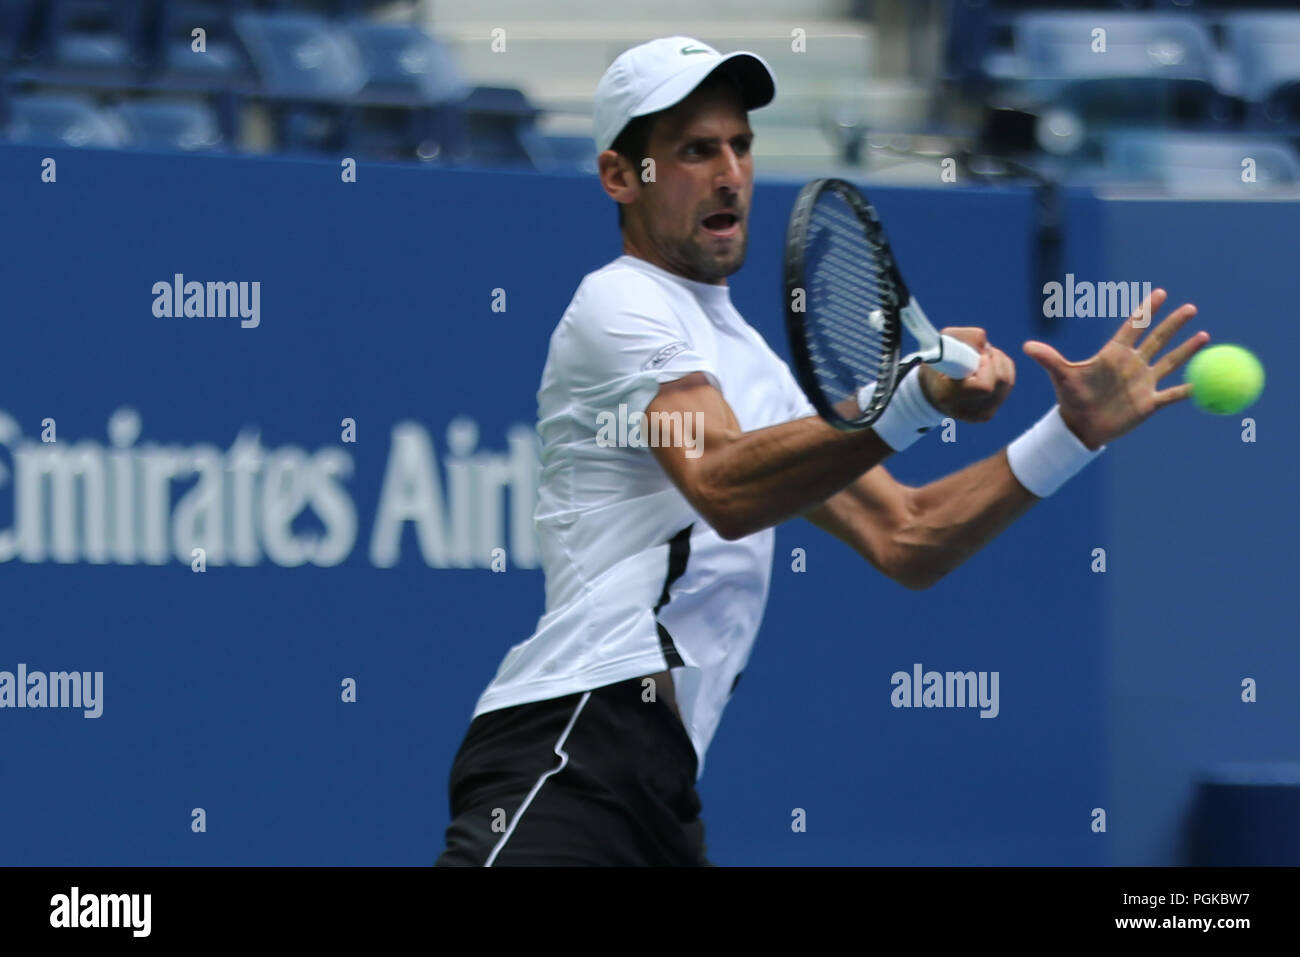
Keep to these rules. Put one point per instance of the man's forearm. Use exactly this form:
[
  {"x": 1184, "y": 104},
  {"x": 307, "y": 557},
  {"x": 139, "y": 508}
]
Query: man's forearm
[
  {"x": 767, "y": 476},
  {"x": 954, "y": 517}
]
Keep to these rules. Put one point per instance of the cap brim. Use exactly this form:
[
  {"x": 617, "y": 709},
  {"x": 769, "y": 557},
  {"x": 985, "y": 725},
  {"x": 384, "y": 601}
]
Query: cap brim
[{"x": 755, "y": 77}]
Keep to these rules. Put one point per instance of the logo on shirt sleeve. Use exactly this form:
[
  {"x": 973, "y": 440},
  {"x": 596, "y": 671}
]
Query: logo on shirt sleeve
[{"x": 663, "y": 355}]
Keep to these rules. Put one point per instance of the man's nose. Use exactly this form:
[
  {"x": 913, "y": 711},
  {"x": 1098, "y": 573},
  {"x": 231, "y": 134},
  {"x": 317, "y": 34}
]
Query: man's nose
[{"x": 728, "y": 177}]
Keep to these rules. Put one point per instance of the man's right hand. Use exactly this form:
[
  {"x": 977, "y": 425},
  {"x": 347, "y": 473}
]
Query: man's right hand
[{"x": 977, "y": 397}]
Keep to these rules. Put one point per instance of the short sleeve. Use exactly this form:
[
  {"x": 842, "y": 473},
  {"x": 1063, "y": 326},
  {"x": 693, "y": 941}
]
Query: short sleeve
[
  {"x": 798, "y": 406},
  {"x": 622, "y": 340}
]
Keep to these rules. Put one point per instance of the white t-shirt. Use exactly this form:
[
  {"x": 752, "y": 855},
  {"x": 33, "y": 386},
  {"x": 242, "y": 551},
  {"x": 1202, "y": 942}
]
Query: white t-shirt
[{"x": 617, "y": 537}]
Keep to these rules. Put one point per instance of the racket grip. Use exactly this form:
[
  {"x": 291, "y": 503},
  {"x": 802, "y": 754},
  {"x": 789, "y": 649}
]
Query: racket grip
[{"x": 959, "y": 360}]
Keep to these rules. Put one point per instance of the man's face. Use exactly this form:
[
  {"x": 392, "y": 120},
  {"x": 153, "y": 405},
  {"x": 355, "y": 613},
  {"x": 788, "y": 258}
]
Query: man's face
[{"x": 694, "y": 218}]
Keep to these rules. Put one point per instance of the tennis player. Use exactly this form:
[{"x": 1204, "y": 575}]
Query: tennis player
[{"x": 586, "y": 747}]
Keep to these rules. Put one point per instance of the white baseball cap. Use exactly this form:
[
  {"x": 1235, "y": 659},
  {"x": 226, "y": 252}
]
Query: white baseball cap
[{"x": 659, "y": 74}]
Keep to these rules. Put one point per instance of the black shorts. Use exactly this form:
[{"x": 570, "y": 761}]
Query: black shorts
[{"x": 595, "y": 778}]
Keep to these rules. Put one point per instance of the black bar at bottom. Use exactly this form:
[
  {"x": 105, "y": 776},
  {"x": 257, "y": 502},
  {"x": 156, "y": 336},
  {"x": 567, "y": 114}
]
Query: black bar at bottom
[{"x": 338, "y": 905}]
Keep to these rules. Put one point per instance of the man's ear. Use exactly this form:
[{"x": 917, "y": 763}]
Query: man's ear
[{"x": 617, "y": 176}]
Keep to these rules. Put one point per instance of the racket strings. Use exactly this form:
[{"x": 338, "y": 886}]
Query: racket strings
[{"x": 848, "y": 280}]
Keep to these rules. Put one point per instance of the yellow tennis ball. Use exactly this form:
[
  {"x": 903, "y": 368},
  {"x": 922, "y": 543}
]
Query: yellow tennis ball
[{"x": 1225, "y": 379}]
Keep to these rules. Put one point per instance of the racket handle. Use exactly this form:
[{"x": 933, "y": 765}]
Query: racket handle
[{"x": 958, "y": 359}]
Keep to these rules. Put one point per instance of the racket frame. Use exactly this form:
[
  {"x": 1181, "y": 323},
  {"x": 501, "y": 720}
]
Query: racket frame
[
  {"x": 797, "y": 320},
  {"x": 899, "y": 310}
]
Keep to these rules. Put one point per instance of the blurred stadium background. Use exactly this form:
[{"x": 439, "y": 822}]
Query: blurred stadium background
[
  {"x": 431, "y": 82},
  {"x": 1168, "y": 155}
]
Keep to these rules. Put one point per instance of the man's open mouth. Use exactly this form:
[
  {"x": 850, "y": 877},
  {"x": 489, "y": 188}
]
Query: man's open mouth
[{"x": 721, "y": 224}]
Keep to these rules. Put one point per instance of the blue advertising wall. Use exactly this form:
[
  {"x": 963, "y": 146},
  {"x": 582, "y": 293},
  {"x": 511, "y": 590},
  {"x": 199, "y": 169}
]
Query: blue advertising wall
[
  {"x": 418, "y": 304},
  {"x": 1198, "y": 524}
]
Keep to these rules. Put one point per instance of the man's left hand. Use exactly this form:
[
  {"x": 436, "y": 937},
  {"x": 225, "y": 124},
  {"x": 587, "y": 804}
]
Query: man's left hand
[{"x": 976, "y": 397}]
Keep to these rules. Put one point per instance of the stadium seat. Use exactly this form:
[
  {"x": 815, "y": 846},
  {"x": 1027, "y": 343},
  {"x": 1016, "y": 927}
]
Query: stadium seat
[
  {"x": 170, "y": 124},
  {"x": 17, "y": 21},
  {"x": 968, "y": 39},
  {"x": 220, "y": 64},
  {"x": 92, "y": 40},
  {"x": 301, "y": 56},
  {"x": 403, "y": 64},
  {"x": 430, "y": 134},
  {"x": 328, "y": 8},
  {"x": 1199, "y": 160},
  {"x": 498, "y": 120},
  {"x": 1023, "y": 6},
  {"x": 60, "y": 120},
  {"x": 1266, "y": 49},
  {"x": 978, "y": 34},
  {"x": 98, "y": 52},
  {"x": 409, "y": 107},
  {"x": 1213, "y": 6},
  {"x": 1153, "y": 65}
]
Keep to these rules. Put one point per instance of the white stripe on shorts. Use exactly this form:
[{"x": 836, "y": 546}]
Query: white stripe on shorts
[{"x": 559, "y": 745}]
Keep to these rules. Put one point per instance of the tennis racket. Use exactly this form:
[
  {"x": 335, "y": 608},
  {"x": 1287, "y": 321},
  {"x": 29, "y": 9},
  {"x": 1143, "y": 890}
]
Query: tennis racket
[{"x": 847, "y": 305}]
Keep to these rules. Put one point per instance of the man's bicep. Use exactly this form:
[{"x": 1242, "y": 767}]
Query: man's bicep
[{"x": 689, "y": 419}]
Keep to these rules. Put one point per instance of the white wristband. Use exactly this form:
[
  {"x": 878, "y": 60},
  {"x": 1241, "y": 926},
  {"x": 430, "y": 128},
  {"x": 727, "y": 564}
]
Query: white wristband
[
  {"x": 909, "y": 414},
  {"x": 1048, "y": 455}
]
